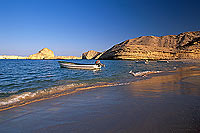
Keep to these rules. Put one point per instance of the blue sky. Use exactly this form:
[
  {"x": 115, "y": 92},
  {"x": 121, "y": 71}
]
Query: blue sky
[{"x": 71, "y": 27}]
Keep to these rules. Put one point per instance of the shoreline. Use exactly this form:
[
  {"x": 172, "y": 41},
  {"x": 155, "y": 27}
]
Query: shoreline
[
  {"x": 27, "y": 98},
  {"x": 153, "y": 104},
  {"x": 54, "y": 95}
]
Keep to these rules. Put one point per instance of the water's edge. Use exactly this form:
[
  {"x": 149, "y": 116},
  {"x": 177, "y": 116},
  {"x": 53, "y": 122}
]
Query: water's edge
[{"x": 140, "y": 71}]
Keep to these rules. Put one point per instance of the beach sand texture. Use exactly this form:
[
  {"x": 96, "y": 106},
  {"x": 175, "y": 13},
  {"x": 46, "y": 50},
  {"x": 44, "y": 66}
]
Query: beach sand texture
[{"x": 165, "y": 102}]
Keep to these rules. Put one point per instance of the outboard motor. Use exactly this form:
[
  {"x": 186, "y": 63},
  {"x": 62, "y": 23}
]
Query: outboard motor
[{"x": 99, "y": 63}]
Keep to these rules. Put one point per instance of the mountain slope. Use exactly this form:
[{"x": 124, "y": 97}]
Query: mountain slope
[{"x": 183, "y": 46}]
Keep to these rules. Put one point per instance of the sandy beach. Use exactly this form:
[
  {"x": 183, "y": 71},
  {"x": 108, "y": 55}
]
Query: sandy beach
[{"x": 165, "y": 102}]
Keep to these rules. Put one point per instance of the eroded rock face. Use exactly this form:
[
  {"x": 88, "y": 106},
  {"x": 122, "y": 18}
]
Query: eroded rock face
[
  {"x": 45, "y": 53},
  {"x": 67, "y": 57},
  {"x": 183, "y": 46},
  {"x": 90, "y": 54}
]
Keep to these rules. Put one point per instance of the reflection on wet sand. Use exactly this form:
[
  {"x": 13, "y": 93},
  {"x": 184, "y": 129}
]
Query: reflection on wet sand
[{"x": 183, "y": 81}]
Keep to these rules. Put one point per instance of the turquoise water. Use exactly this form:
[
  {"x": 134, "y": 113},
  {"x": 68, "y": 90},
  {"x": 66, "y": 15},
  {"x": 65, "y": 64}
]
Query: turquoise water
[{"x": 20, "y": 76}]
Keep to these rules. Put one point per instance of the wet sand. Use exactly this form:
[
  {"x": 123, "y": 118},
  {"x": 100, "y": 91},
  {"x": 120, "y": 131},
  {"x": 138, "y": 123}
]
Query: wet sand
[{"x": 166, "y": 102}]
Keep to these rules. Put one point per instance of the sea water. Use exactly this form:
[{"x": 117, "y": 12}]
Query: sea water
[{"x": 27, "y": 80}]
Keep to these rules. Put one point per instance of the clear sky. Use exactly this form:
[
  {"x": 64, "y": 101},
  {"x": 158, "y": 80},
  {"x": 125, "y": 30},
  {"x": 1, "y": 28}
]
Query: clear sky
[{"x": 71, "y": 27}]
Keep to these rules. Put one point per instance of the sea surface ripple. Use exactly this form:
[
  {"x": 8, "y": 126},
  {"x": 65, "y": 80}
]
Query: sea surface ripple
[{"x": 22, "y": 78}]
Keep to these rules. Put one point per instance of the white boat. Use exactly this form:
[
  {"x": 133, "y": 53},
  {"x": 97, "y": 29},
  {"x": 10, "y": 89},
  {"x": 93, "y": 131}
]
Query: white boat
[{"x": 71, "y": 65}]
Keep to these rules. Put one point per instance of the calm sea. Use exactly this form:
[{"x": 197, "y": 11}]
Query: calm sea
[{"x": 31, "y": 79}]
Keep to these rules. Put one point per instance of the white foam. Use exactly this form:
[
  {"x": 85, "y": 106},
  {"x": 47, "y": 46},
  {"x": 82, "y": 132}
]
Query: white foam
[
  {"x": 16, "y": 98},
  {"x": 39, "y": 93},
  {"x": 118, "y": 84},
  {"x": 143, "y": 73},
  {"x": 28, "y": 96}
]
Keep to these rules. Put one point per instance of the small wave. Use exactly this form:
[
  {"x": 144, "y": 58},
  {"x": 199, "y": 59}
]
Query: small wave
[
  {"x": 143, "y": 73},
  {"x": 119, "y": 84},
  {"x": 39, "y": 95}
]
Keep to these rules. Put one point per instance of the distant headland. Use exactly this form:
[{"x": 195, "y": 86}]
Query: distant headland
[
  {"x": 182, "y": 46},
  {"x": 44, "y": 54}
]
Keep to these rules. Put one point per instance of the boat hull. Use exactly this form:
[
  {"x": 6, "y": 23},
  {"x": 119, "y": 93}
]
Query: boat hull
[{"x": 79, "y": 66}]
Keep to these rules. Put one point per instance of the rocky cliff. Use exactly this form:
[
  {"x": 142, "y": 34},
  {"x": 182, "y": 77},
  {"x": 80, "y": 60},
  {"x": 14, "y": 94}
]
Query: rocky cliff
[
  {"x": 90, "y": 54},
  {"x": 183, "y": 46},
  {"x": 45, "y": 53}
]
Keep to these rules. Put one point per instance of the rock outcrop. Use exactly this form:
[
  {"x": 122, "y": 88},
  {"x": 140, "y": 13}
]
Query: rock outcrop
[
  {"x": 90, "y": 54},
  {"x": 67, "y": 57},
  {"x": 183, "y": 46},
  {"x": 45, "y": 53},
  {"x": 191, "y": 50}
]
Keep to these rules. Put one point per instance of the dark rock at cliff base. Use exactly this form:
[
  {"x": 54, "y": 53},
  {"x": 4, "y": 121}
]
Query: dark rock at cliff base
[{"x": 183, "y": 46}]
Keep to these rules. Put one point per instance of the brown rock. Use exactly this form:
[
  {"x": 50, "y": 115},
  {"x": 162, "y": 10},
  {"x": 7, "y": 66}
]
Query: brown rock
[
  {"x": 185, "y": 45},
  {"x": 45, "y": 53},
  {"x": 67, "y": 57},
  {"x": 90, "y": 54}
]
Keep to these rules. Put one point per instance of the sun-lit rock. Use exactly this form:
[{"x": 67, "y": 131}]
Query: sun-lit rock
[
  {"x": 90, "y": 54},
  {"x": 183, "y": 46},
  {"x": 67, "y": 57},
  {"x": 45, "y": 53}
]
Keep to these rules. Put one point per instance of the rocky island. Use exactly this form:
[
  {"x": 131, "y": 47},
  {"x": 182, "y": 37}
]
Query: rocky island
[{"x": 44, "y": 54}]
